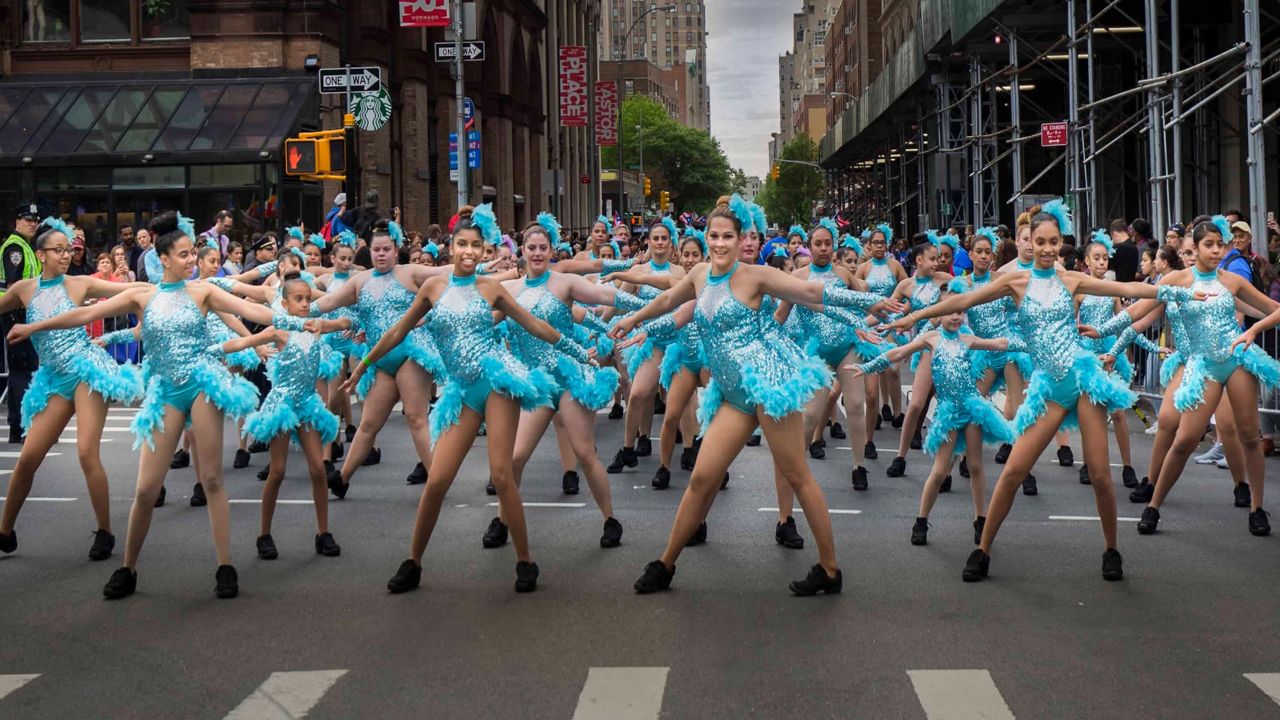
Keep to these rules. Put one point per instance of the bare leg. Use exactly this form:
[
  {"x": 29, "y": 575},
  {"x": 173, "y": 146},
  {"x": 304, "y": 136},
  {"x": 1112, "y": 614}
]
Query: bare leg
[
  {"x": 1120, "y": 424},
  {"x": 920, "y": 386},
  {"x": 977, "y": 476},
  {"x": 207, "y": 422},
  {"x": 786, "y": 442},
  {"x": 314, "y": 452},
  {"x": 502, "y": 416},
  {"x": 811, "y": 418},
  {"x": 91, "y": 416},
  {"x": 1166, "y": 426},
  {"x": 568, "y": 463},
  {"x": 682, "y": 389},
  {"x": 941, "y": 466},
  {"x": 1026, "y": 450},
  {"x": 1229, "y": 436},
  {"x": 580, "y": 423},
  {"x": 377, "y": 407},
  {"x": 1242, "y": 387},
  {"x": 416, "y": 388},
  {"x": 1185, "y": 440},
  {"x": 451, "y": 449},
  {"x": 279, "y": 447},
  {"x": 44, "y": 432},
  {"x": 1093, "y": 439},
  {"x": 153, "y": 465},
  {"x": 532, "y": 426},
  {"x": 644, "y": 387},
  {"x": 855, "y": 407}
]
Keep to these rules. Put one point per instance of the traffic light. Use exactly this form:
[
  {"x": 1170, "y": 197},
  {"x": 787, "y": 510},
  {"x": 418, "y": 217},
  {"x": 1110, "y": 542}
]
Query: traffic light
[
  {"x": 664, "y": 200},
  {"x": 299, "y": 157},
  {"x": 316, "y": 155},
  {"x": 648, "y": 187},
  {"x": 773, "y": 174}
]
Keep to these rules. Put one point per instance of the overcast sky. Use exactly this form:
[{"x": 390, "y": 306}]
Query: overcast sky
[{"x": 744, "y": 40}]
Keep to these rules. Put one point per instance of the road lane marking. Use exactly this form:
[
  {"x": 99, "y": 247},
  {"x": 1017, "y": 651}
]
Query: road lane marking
[
  {"x": 547, "y": 505},
  {"x": 286, "y": 695},
  {"x": 72, "y": 441},
  {"x": 109, "y": 428},
  {"x": 1268, "y": 683},
  {"x": 1088, "y": 518},
  {"x": 258, "y": 501},
  {"x": 9, "y": 683},
  {"x": 16, "y": 453},
  {"x": 47, "y": 499},
  {"x": 959, "y": 695},
  {"x": 832, "y": 511},
  {"x": 622, "y": 693}
]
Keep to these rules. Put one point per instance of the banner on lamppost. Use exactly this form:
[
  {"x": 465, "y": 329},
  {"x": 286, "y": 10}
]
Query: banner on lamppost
[
  {"x": 606, "y": 113},
  {"x": 573, "y": 86},
  {"x": 424, "y": 13}
]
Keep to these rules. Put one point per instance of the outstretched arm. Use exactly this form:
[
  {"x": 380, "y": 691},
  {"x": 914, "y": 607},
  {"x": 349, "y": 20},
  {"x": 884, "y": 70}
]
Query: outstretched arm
[
  {"x": 221, "y": 300},
  {"x": 249, "y": 341},
  {"x": 888, "y": 358},
  {"x": 126, "y": 302},
  {"x": 342, "y": 297},
  {"x": 683, "y": 292},
  {"x": 959, "y": 302}
]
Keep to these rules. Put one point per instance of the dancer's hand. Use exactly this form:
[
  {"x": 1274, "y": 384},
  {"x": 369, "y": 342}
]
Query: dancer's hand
[
  {"x": 1244, "y": 341},
  {"x": 266, "y": 352},
  {"x": 314, "y": 325},
  {"x": 18, "y": 333},
  {"x": 619, "y": 331},
  {"x": 1108, "y": 362},
  {"x": 1201, "y": 295},
  {"x": 635, "y": 339},
  {"x": 888, "y": 305},
  {"x": 354, "y": 378},
  {"x": 1165, "y": 351},
  {"x": 902, "y": 324},
  {"x": 855, "y": 371},
  {"x": 1088, "y": 331},
  {"x": 869, "y": 337},
  {"x": 360, "y": 338}
]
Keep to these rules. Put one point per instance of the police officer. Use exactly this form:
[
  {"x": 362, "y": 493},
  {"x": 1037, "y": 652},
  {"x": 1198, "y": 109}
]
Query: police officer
[{"x": 19, "y": 262}]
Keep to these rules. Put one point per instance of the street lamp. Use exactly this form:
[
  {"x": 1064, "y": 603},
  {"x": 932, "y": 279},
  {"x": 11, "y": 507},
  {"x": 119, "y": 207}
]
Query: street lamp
[{"x": 626, "y": 48}]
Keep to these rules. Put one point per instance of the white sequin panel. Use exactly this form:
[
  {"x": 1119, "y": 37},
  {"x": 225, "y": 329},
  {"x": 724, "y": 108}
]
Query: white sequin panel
[
  {"x": 46, "y": 300},
  {"x": 168, "y": 304},
  {"x": 456, "y": 298},
  {"x": 303, "y": 340},
  {"x": 712, "y": 297},
  {"x": 378, "y": 285},
  {"x": 1043, "y": 290}
]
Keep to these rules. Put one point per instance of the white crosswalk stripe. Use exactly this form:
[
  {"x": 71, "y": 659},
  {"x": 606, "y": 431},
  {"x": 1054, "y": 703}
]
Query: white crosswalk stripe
[
  {"x": 959, "y": 695},
  {"x": 286, "y": 695},
  {"x": 14, "y": 454},
  {"x": 9, "y": 683},
  {"x": 1268, "y": 683},
  {"x": 622, "y": 693}
]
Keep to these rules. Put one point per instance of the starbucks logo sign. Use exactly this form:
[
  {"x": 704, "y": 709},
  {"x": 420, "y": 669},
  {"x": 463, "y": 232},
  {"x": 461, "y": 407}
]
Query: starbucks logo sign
[{"x": 372, "y": 110}]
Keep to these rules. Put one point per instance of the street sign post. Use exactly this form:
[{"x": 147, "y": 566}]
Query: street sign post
[
  {"x": 1053, "y": 134},
  {"x": 335, "y": 81},
  {"x": 468, "y": 113},
  {"x": 473, "y": 149},
  {"x": 472, "y": 51},
  {"x": 424, "y": 13}
]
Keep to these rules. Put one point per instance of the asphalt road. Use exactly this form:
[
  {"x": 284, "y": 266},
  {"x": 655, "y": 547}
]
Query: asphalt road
[{"x": 1189, "y": 633}]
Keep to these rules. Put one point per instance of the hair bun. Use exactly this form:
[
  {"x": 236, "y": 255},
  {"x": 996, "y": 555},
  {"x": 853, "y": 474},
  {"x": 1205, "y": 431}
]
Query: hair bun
[
  {"x": 722, "y": 201},
  {"x": 164, "y": 223}
]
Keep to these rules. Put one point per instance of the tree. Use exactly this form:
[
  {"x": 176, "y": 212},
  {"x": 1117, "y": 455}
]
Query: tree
[
  {"x": 789, "y": 199},
  {"x": 687, "y": 163},
  {"x": 737, "y": 180}
]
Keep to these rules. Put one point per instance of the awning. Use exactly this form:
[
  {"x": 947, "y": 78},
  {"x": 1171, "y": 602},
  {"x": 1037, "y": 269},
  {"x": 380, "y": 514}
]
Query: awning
[{"x": 174, "y": 121}]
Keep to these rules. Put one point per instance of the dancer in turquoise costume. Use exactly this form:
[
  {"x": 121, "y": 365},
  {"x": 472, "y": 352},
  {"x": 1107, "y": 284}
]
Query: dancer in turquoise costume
[
  {"x": 409, "y": 372},
  {"x": 963, "y": 420},
  {"x": 292, "y": 409},
  {"x": 1219, "y": 360},
  {"x": 579, "y": 388},
  {"x": 758, "y": 377},
  {"x": 342, "y": 255},
  {"x": 185, "y": 383},
  {"x": 1067, "y": 385},
  {"x": 75, "y": 378},
  {"x": 839, "y": 339},
  {"x": 921, "y": 290},
  {"x": 882, "y": 274},
  {"x": 486, "y": 384}
]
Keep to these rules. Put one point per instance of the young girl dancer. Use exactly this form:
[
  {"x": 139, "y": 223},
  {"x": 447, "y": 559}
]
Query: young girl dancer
[
  {"x": 486, "y": 384},
  {"x": 185, "y": 383},
  {"x": 758, "y": 377},
  {"x": 293, "y": 409},
  {"x": 963, "y": 420},
  {"x": 1068, "y": 381},
  {"x": 75, "y": 377},
  {"x": 343, "y": 343},
  {"x": 882, "y": 275}
]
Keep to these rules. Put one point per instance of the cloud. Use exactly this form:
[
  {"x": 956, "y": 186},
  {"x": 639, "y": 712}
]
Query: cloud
[{"x": 744, "y": 40}]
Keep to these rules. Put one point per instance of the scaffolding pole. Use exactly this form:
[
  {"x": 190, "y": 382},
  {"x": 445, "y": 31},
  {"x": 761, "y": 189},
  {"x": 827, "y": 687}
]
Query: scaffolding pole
[
  {"x": 1175, "y": 41},
  {"x": 1091, "y": 165},
  {"x": 1253, "y": 114},
  {"x": 1015, "y": 111},
  {"x": 1155, "y": 186}
]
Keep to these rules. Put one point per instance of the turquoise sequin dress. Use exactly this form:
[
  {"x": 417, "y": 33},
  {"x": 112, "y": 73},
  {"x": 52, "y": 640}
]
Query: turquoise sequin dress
[
  {"x": 382, "y": 301},
  {"x": 925, "y": 294},
  {"x": 959, "y": 403},
  {"x": 1064, "y": 368},
  {"x": 1211, "y": 329},
  {"x": 753, "y": 366},
  {"x": 591, "y": 387},
  {"x": 1095, "y": 311},
  {"x": 991, "y": 321},
  {"x": 219, "y": 333},
  {"x": 830, "y": 335},
  {"x": 685, "y": 353},
  {"x": 179, "y": 369},
  {"x": 638, "y": 355},
  {"x": 293, "y": 401},
  {"x": 881, "y": 281},
  {"x": 68, "y": 358},
  {"x": 461, "y": 322},
  {"x": 341, "y": 342}
]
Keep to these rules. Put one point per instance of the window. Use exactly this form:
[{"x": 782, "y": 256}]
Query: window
[
  {"x": 97, "y": 22},
  {"x": 688, "y": 37}
]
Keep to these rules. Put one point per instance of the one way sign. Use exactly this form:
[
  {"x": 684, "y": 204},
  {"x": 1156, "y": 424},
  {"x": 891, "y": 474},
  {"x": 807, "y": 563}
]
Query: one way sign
[
  {"x": 472, "y": 51},
  {"x": 363, "y": 79}
]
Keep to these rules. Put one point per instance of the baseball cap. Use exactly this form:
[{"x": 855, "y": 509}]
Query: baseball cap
[
  {"x": 1242, "y": 226},
  {"x": 77, "y": 243},
  {"x": 30, "y": 211},
  {"x": 340, "y": 199}
]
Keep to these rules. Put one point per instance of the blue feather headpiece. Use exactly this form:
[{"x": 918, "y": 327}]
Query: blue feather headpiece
[
  {"x": 798, "y": 230},
  {"x": 950, "y": 241},
  {"x": 604, "y": 220},
  {"x": 296, "y": 232},
  {"x": 779, "y": 250},
  {"x": 933, "y": 238},
  {"x": 829, "y": 225},
  {"x": 670, "y": 225},
  {"x": 617, "y": 254},
  {"x": 887, "y": 232},
  {"x": 1224, "y": 228},
  {"x": 957, "y": 285},
  {"x": 186, "y": 227},
  {"x": 698, "y": 235},
  {"x": 317, "y": 240},
  {"x": 990, "y": 234},
  {"x": 487, "y": 223},
  {"x": 851, "y": 243},
  {"x": 758, "y": 220},
  {"x": 346, "y": 237},
  {"x": 395, "y": 233},
  {"x": 155, "y": 269},
  {"x": 549, "y": 223},
  {"x": 742, "y": 211},
  {"x": 302, "y": 257},
  {"x": 1058, "y": 210},
  {"x": 1102, "y": 238},
  {"x": 432, "y": 249},
  {"x": 212, "y": 242},
  {"x": 56, "y": 224},
  {"x": 866, "y": 234}
]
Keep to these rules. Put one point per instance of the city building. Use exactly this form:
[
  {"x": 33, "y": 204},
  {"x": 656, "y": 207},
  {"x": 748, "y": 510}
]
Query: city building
[
  {"x": 752, "y": 188},
  {"x": 111, "y": 112},
  {"x": 675, "y": 41},
  {"x": 854, "y": 53},
  {"x": 802, "y": 72},
  {"x": 788, "y": 99},
  {"x": 641, "y": 77}
]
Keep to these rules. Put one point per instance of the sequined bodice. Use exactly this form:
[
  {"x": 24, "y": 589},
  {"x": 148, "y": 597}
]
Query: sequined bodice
[
  {"x": 831, "y": 333},
  {"x": 734, "y": 336},
  {"x": 952, "y": 371},
  {"x": 925, "y": 293},
  {"x": 382, "y": 302},
  {"x": 174, "y": 333},
  {"x": 216, "y": 328},
  {"x": 648, "y": 292},
  {"x": 1095, "y": 311},
  {"x": 1047, "y": 320},
  {"x": 295, "y": 368},
  {"x": 461, "y": 322},
  {"x": 55, "y": 347},
  {"x": 337, "y": 280},
  {"x": 880, "y": 278},
  {"x": 1210, "y": 324},
  {"x": 1177, "y": 327},
  {"x": 545, "y": 306},
  {"x": 990, "y": 320}
]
